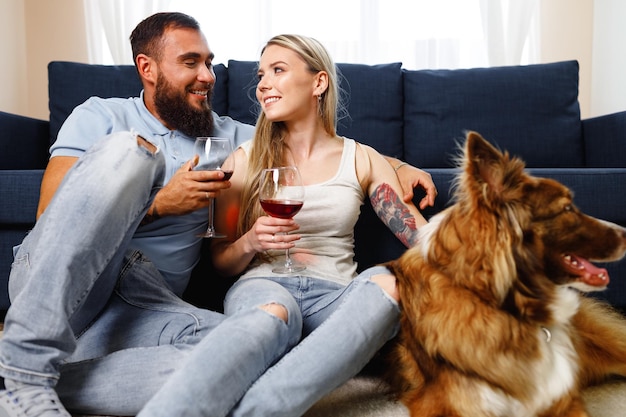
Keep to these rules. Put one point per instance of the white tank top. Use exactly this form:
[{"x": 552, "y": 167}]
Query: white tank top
[{"x": 327, "y": 221}]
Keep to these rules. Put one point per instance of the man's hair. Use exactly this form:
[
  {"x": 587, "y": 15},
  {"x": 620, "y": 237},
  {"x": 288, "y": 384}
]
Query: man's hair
[{"x": 146, "y": 38}]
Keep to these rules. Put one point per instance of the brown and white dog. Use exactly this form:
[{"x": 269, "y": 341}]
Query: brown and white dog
[{"x": 495, "y": 322}]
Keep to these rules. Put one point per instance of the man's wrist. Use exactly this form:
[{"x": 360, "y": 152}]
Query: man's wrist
[{"x": 151, "y": 215}]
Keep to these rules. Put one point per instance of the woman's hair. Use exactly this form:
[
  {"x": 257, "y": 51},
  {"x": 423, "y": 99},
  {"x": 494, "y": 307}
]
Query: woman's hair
[
  {"x": 147, "y": 36},
  {"x": 268, "y": 147}
]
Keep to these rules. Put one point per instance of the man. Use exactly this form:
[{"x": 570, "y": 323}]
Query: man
[{"x": 96, "y": 318}]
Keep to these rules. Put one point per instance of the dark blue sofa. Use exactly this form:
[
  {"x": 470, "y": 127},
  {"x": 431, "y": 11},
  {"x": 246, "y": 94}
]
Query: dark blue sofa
[{"x": 418, "y": 116}]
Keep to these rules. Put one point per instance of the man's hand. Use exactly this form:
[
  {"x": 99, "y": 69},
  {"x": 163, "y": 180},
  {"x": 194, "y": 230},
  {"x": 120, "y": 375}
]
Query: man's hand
[{"x": 188, "y": 191}]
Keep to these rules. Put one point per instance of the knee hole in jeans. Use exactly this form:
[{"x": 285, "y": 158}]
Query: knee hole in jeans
[
  {"x": 388, "y": 283},
  {"x": 277, "y": 310},
  {"x": 149, "y": 146}
]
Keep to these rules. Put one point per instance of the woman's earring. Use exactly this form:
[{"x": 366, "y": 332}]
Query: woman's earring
[{"x": 319, "y": 105}]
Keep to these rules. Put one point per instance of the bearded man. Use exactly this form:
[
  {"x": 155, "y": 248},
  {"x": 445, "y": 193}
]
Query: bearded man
[{"x": 96, "y": 316}]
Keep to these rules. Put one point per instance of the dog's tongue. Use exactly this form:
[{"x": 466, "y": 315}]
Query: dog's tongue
[{"x": 586, "y": 271}]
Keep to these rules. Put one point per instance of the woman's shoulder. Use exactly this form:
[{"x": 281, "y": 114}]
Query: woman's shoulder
[
  {"x": 243, "y": 152},
  {"x": 246, "y": 146},
  {"x": 365, "y": 151}
]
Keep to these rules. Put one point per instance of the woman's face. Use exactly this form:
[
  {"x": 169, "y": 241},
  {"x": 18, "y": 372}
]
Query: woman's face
[{"x": 286, "y": 88}]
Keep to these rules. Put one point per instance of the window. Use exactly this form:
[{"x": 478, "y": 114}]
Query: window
[{"x": 418, "y": 33}]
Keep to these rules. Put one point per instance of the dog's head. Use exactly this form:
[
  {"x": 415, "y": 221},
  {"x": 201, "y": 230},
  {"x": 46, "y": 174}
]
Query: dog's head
[{"x": 538, "y": 236}]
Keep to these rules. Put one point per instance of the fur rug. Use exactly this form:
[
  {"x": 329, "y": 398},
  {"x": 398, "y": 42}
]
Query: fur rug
[{"x": 365, "y": 396}]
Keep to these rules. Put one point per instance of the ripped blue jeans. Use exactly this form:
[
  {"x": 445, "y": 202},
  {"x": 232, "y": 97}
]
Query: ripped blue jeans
[{"x": 96, "y": 320}]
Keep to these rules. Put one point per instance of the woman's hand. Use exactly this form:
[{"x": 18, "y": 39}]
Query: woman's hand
[
  {"x": 410, "y": 178},
  {"x": 272, "y": 233}
]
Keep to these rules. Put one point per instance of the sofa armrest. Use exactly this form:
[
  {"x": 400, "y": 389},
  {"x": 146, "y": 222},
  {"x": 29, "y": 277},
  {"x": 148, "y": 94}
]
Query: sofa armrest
[
  {"x": 18, "y": 210},
  {"x": 599, "y": 192},
  {"x": 605, "y": 140},
  {"x": 20, "y": 196},
  {"x": 23, "y": 142}
]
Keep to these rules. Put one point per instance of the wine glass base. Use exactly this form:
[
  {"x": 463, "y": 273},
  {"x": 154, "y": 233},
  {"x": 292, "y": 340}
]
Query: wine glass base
[
  {"x": 211, "y": 234},
  {"x": 288, "y": 269}
]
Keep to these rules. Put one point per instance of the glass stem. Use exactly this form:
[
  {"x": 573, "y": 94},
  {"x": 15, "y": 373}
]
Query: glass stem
[
  {"x": 287, "y": 259},
  {"x": 211, "y": 229}
]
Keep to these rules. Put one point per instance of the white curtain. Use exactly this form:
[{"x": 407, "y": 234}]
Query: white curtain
[
  {"x": 109, "y": 24},
  {"x": 507, "y": 27},
  {"x": 418, "y": 33}
]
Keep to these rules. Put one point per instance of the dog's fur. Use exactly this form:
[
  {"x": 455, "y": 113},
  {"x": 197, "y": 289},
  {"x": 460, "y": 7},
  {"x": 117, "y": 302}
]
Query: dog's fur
[{"x": 494, "y": 320}]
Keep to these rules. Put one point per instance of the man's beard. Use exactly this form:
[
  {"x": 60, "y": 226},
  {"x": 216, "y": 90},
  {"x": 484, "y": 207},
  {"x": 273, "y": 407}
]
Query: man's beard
[{"x": 177, "y": 113}]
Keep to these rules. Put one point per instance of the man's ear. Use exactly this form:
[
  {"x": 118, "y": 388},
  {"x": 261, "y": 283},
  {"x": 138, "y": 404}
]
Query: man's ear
[{"x": 146, "y": 68}]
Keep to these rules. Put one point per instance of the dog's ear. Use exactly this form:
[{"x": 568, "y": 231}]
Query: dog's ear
[
  {"x": 484, "y": 163},
  {"x": 479, "y": 150},
  {"x": 490, "y": 177}
]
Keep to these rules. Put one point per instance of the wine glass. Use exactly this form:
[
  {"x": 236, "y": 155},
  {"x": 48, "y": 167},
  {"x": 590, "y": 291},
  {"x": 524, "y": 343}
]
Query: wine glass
[
  {"x": 281, "y": 194},
  {"x": 215, "y": 154}
]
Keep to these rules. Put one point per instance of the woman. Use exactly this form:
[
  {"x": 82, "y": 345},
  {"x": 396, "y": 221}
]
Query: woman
[{"x": 335, "y": 320}]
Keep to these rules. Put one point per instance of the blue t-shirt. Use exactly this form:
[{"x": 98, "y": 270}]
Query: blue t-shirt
[{"x": 171, "y": 242}]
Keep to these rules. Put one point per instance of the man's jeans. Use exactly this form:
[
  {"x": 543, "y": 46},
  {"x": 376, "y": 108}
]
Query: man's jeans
[{"x": 95, "y": 319}]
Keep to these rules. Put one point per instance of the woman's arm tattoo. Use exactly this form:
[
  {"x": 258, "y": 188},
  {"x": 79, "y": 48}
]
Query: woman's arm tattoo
[{"x": 394, "y": 213}]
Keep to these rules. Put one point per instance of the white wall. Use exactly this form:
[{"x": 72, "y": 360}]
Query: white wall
[
  {"x": 566, "y": 32},
  {"x": 55, "y": 30},
  {"x": 33, "y": 33},
  {"x": 13, "y": 85},
  {"x": 608, "y": 81}
]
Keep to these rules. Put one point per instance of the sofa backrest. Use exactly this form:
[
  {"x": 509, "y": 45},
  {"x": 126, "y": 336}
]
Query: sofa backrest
[
  {"x": 419, "y": 116},
  {"x": 531, "y": 111},
  {"x": 72, "y": 83}
]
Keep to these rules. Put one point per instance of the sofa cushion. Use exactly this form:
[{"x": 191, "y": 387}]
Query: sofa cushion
[
  {"x": 219, "y": 102},
  {"x": 372, "y": 96},
  {"x": 374, "y": 100},
  {"x": 71, "y": 83},
  {"x": 242, "y": 81},
  {"x": 518, "y": 108}
]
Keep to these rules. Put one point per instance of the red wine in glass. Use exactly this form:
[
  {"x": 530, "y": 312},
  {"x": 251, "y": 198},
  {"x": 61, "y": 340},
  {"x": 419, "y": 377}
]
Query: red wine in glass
[
  {"x": 227, "y": 175},
  {"x": 281, "y": 195},
  {"x": 285, "y": 209}
]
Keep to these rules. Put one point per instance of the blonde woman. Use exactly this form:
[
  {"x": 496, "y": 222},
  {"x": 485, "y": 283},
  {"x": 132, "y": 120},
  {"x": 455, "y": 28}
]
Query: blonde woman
[{"x": 335, "y": 320}]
